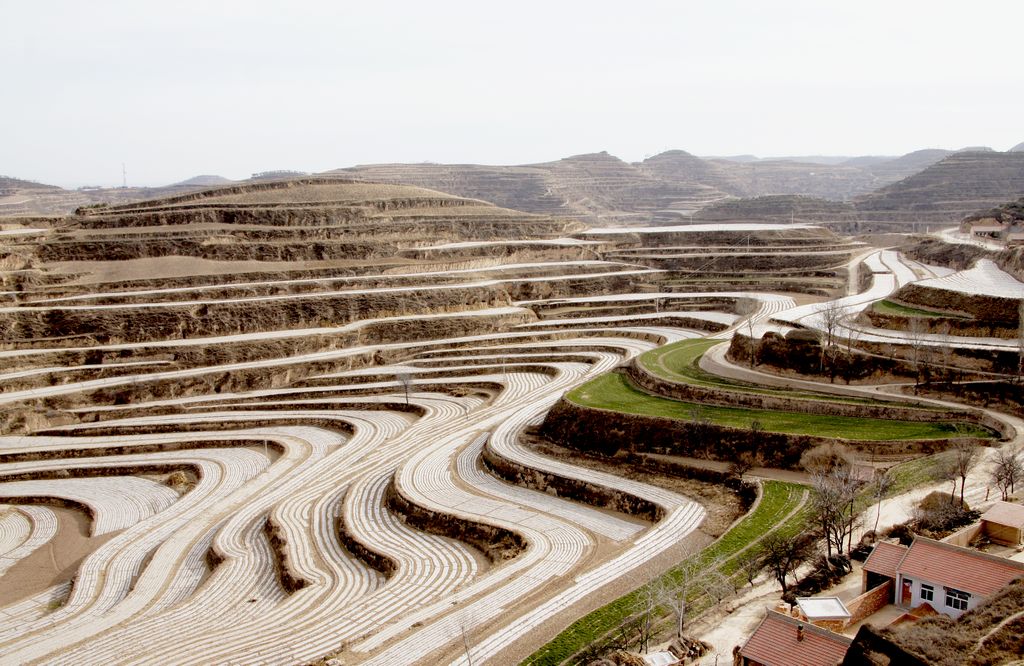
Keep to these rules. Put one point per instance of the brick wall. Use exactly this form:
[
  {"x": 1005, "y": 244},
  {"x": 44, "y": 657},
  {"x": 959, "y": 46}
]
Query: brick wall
[
  {"x": 869, "y": 602},
  {"x": 836, "y": 626}
]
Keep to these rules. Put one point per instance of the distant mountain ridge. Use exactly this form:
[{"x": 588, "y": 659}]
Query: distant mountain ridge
[
  {"x": 661, "y": 188},
  {"x": 204, "y": 181},
  {"x": 931, "y": 186},
  {"x": 8, "y": 184},
  {"x": 941, "y": 194}
]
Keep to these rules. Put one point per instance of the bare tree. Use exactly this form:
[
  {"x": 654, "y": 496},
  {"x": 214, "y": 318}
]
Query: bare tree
[
  {"x": 881, "y": 484},
  {"x": 965, "y": 456},
  {"x": 782, "y": 555},
  {"x": 749, "y": 562},
  {"x": 916, "y": 337},
  {"x": 835, "y": 492},
  {"x": 646, "y": 606},
  {"x": 831, "y": 315},
  {"x": 1007, "y": 470},
  {"x": 715, "y": 584},
  {"x": 465, "y": 641},
  {"x": 741, "y": 464},
  {"x": 676, "y": 596},
  {"x": 405, "y": 380},
  {"x": 947, "y": 471},
  {"x": 852, "y": 337},
  {"x": 831, "y": 318},
  {"x": 945, "y": 343}
]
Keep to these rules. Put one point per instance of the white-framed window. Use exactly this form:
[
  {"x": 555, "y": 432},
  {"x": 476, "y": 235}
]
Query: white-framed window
[
  {"x": 957, "y": 599},
  {"x": 927, "y": 592}
]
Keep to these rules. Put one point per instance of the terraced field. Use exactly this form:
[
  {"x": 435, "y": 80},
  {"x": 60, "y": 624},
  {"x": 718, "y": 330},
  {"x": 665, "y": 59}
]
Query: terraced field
[{"x": 261, "y": 414}]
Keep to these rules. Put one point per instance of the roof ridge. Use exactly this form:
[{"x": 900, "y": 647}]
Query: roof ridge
[
  {"x": 995, "y": 559},
  {"x": 808, "y": 627}
]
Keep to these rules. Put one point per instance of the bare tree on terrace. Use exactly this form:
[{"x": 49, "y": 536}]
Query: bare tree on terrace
[
  {"x": 965, "y": 456},
  {"x": 676, "y": 597},
  {"x": 881, "y": 484},
  {"x": 831, "y": 318},
  {"x": 946, "y": 351},
  {"x": 916, "y": 332},
  {"x": 835, "y": 492},
  {"x": 831, "y": 315},
  {"x": 782, "y": 555},
  {"x": 405, "y": 380},
  {"x": 1007, "y": 470}
]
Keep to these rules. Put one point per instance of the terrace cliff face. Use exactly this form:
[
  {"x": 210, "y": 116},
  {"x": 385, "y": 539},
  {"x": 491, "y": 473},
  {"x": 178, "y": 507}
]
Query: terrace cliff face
[{"x": 947, "y": 191}]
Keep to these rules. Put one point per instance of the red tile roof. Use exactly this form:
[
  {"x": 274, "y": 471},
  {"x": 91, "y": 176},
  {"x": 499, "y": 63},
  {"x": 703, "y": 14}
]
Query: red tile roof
[
  {"x": 884, "y": 559},
  {"x": 960, "y": 568},
  {"x": 774, "y": 643}
]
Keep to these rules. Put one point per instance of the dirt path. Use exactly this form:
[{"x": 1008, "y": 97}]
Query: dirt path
[
  {"x": 789, "y": 476},
  {"x": 54, "y": 562}
]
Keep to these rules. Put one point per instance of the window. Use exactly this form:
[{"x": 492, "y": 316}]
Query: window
[
  {"x": 927, "y": 593},
  {"x": 956, "y": 599}
]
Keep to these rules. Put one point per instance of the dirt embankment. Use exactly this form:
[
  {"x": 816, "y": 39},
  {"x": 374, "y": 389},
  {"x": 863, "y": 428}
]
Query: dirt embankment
[
  {"x": 290, "y": 580},
  {"x": 606, "y": 433},
  {"x": 725, "y": 499},
  {"x": 869, "y": 361},
  {"x": 581, "y": 491},
  {"x": 183, "y": 319},
  {"x": 496, "y": 543},
  {"x": 215, "y": 318},
  {"x": 373, "y": 559},
  {"x": 748, "y": 263},
  {"x": 726, "y": 398},
  {"x": 963, "y": 256},
  {"x": 955, "y": 326}
]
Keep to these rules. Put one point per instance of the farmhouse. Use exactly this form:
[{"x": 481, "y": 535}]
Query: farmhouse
[
  {"x": 951, "y": 579},
  {"x": 989, "y": 228},
  {"x": 781, "y": 640}
]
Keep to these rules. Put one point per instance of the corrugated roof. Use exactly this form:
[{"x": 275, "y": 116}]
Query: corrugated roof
[
  {"x": 774, "y": 643},
  {"x": 884, "y": 559},
  {"x": 1005, "y": 513},
  {"x": 961, "y": 568}
]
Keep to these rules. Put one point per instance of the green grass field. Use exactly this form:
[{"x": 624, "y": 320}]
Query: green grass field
[
  {"x": 889, "y": 308},
  {"x": 778, "y": 500},
  {"x": 614, "y": 392},
  {"x": 680, "y": 362}
]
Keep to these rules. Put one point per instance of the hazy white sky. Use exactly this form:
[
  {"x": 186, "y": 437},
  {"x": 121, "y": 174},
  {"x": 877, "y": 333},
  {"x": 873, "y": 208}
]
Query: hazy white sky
[{"x": 176, "y": 89}]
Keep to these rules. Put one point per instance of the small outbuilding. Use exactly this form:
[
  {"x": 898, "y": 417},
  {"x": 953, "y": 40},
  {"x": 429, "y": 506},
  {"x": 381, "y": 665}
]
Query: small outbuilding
[
  {"x": 1004, "y": 523},
  {"x": 827, "y": 612}
]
